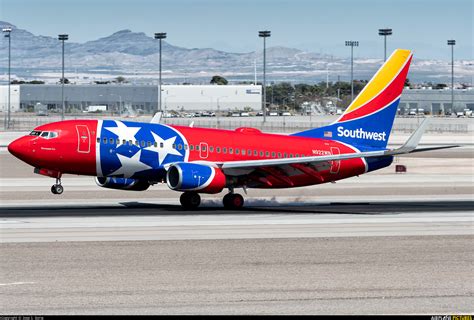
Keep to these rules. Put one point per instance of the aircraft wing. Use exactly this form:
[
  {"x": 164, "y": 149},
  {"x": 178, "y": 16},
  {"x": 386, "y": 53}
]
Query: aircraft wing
[{"x": 409, "y": 147}]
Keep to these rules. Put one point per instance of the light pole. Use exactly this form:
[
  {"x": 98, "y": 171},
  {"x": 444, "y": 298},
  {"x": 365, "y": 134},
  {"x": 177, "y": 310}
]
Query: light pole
[
  {"x": 218, "y": 111},
  {"x": 264, "y": 34},
  {"x": 385, "y": 33},
  {"x": 160, "y": 36},
  {"x": 62, "y": 38},
  {"x": 8, "y": 31},
  {"x": 352, "y": 44},
  {"x": 452, "y": 43}
]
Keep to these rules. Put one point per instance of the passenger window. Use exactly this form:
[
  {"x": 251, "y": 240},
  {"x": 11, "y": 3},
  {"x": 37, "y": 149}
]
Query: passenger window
[
  {"x": 243, "y": 152},
  {"x": 98, "y": 140},
  {"x": 211, "y": 149},
  {"x": 279, "y": 154},
  {"x": 185, "y": 147},
  {"x": 267, "y": 154},
  {"x": 130, "y": 142},
  {"x": 231, "y": 151},
  {"x": 273, "y": 154},
  {"x": 255, "y": 153},
  {"x": 204, "y": 148},
  {"x": 124, "y": 141},
  {"x": 155, "y": 144},
  {"x": 224, "y": 150},
  {"x": 148, "y": 144},
  {"x": 197, "y": 148},
  {"x": 137, "y": 144},
  {"x": 191, "y": 147},
  {"x": 296, "y": 155},
  {"x": 237, "y": 151},
  {"x": 161, "y": 144},
  {"x": 249, "y": 152},
  {"x": 180, "y": 146},
  {"x": 291, "y": 155},
  {"x": 285, "y": 155},
  {"x": 261, "y": 153},
  {"x": 218, "y": 149},
  {"x": 104, "y": 140}
]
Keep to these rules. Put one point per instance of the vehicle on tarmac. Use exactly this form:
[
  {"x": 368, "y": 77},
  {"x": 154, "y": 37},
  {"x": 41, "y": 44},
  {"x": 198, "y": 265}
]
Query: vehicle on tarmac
[{"x": 134, "y": 156}]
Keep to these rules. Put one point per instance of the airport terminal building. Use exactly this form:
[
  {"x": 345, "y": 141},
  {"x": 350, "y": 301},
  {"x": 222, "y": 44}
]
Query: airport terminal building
[
  {"x": 137, "y": 97},
  {"x": 436, "y": 101},
  {"x": 144, "y": 98}
]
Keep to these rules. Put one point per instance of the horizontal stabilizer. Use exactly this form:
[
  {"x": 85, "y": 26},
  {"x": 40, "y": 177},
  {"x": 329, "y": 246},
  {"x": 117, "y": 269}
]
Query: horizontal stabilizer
[{"x": 157, "y": 117}]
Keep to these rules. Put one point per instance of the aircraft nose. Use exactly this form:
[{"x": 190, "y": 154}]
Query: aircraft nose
[{"x": 19, "y": 147}]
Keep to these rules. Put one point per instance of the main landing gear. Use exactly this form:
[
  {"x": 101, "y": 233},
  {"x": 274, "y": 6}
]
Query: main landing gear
[
  {"x": 192, "y": 200},
  {"x": 233, "y": 201},
  {"x": 57, "y": 188}
]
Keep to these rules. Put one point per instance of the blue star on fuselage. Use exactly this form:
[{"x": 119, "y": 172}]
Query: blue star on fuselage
[{"x": 163, "y": 147}]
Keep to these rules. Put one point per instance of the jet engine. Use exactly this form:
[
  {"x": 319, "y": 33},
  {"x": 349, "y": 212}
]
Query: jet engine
[
  {"x": 186, "y": 176},
  {"x": 122, "y": 183}
]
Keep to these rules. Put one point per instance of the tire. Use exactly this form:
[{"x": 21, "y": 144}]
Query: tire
[
  {"x": 58, "y": 189},
  {"x": 233, "y": 201},
  {"x": 190, "y": 200},
  {"x": 53, "y": 189}
]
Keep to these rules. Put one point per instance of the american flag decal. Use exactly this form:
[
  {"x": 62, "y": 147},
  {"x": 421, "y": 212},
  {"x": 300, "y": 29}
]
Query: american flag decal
[{"x": 328, "y": 134}]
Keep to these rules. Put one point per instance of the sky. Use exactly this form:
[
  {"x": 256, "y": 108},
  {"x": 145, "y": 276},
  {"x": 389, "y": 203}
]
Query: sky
[{"x": 232, "y": 25}]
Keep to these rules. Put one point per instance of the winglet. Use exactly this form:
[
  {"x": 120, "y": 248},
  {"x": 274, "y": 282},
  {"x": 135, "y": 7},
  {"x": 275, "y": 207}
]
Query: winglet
[
  {"x": 157, "y": 117},
  {"x": 414, "y": 139}
]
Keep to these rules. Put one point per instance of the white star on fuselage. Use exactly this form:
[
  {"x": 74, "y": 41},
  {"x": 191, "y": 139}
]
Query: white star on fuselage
[
  {"x": 130, "y": 166},
  {"x": 123, "y": 132},
  {"x": 167, "y": 147}
]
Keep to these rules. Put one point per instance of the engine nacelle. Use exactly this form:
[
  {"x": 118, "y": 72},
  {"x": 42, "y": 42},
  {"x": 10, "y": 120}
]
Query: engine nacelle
[
  {"x": 186, "y": 176},
  {"x": 122, "y": 183}
]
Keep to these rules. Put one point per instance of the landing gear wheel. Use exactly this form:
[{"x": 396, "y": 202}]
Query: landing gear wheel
[
  {"x": 233, "y": 201},
  {"x": 57, "y": 189},
  {"x": 190, "y": 200}
]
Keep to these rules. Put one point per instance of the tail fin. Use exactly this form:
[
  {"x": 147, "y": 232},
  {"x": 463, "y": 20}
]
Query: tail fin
[{"x": 368, "y": 120}]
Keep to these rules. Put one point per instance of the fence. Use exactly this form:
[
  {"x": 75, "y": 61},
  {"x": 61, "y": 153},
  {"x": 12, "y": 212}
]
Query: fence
[{"x": 275, "y": 124}]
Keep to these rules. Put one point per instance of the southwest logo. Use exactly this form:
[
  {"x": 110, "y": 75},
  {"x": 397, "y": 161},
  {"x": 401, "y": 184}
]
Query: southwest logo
[{"x": 361, "y": 134}]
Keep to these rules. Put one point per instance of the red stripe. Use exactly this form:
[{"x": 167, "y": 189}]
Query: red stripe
[{"x": 384, "y": 98}]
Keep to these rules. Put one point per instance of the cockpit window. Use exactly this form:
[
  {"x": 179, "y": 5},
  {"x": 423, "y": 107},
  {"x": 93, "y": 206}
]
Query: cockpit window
[
  {"x": 35, "y": 133},
  {"x": 47, "y": 134}
]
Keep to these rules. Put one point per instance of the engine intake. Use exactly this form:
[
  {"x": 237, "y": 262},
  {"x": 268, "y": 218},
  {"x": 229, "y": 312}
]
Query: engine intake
[
  {"x": 185, "y": 176},
  {"x": 122, "y": 183}
]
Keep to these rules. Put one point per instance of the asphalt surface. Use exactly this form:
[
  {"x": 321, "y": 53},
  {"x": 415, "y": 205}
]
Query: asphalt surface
[
  {"x": 422, "y": 275},
  {"x": 142, "y": 221}
]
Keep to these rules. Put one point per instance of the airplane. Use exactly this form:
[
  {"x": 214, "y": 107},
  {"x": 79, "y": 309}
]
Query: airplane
[{"x": 133, "y": 156}]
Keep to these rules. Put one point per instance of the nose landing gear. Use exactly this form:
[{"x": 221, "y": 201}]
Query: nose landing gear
[{"x": 57, "y": 188}]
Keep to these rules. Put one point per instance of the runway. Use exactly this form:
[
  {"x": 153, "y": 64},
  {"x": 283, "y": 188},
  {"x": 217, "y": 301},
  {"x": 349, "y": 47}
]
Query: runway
[
  {"x": 341, "y": 275},
  {"x": 141, "y": 221}
]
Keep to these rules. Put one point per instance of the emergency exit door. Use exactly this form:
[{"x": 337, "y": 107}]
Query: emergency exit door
[{"x": 83, "y": 139}]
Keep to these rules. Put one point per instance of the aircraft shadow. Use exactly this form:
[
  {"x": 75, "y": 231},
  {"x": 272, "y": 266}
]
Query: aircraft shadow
[{"x": 252, "y": 207}]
